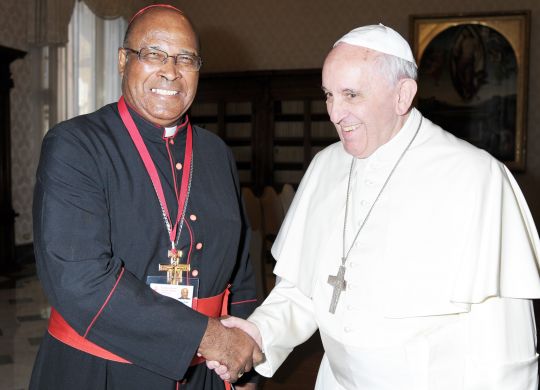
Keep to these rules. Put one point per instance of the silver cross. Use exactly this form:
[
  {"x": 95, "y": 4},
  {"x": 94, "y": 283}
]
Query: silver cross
[{"x": 340, "y": 284}]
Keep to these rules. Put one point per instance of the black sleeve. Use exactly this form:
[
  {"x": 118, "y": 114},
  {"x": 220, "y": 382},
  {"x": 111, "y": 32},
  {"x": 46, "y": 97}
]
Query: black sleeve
[{"x": 84, "y": 280}]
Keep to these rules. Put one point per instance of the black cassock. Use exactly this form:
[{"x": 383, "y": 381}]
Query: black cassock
[{"x": 96, "y": 213}]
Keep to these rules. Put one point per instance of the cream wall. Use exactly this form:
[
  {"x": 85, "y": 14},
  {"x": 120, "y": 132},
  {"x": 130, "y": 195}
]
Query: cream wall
[{"x": 261, "y": 35}]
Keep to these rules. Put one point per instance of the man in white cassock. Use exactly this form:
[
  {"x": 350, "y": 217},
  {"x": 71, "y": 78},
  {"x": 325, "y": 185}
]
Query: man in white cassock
[{"x": 411, "y": 251}]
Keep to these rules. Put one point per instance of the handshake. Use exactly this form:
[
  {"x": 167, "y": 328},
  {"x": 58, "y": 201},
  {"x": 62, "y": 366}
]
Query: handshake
[{"x": 231, "y": 346}]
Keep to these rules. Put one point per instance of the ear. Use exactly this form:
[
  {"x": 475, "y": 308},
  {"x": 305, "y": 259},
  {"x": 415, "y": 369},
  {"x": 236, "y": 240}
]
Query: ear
[
  {"x": 406, "y": 90},
  {"x": 122, "y": 61}
]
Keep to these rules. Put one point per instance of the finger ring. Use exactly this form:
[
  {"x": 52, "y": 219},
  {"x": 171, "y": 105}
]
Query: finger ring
[{"x": 240, "y": 374}]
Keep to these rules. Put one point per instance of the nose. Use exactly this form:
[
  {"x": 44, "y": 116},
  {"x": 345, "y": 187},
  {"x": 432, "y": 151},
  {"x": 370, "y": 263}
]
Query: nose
[
  {"x": 336, "y": 110},
  {"x": 169, "y": 71}
]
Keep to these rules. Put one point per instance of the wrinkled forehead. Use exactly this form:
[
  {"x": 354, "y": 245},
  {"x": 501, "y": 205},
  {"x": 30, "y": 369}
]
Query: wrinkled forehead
[
  {"x": 351, "y": 67},
  {"x": 345, "y": 56}
]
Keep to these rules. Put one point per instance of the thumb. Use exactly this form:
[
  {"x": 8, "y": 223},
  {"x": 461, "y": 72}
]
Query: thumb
[
  {"x": 258, "y": 357},
  {"x": 231, "y": 322}
]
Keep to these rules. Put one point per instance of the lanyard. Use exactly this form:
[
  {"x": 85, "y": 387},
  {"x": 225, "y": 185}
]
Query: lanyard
[{"x": 152, "y": 171}]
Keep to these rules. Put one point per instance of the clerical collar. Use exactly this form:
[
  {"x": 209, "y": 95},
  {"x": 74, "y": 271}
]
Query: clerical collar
[
  {"x": 170, "y": 131},
  {"x": 389, "y": 150},
  {"x": 154, "y": 132}
]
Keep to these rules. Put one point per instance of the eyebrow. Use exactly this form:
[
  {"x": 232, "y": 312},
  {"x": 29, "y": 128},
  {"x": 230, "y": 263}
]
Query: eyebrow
[
  {"x": 182, "y": 51},
  {"x": 344, "y": 90},
  {"x": 185, "y": 51}
]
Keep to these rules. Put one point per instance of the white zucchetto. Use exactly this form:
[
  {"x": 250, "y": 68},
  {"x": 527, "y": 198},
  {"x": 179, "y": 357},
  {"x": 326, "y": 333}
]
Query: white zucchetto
[{"x": 379, "y": 38}]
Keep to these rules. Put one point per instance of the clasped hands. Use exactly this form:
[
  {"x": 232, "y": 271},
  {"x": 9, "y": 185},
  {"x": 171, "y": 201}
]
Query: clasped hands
[{"x": 231, "y": 346}]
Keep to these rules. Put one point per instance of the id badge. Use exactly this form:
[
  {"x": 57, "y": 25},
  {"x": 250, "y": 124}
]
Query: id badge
[{"x": 184, "y": 293}]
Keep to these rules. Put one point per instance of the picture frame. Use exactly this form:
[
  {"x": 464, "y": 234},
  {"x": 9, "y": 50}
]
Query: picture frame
[{"x": 473, "y": 78}]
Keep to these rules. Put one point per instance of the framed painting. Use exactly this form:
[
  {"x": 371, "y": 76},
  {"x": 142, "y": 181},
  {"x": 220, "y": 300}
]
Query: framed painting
[{"x": 473, "y": 78}]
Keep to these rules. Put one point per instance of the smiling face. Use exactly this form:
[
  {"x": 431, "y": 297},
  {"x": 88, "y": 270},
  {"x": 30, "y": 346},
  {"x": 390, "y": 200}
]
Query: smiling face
[
  {"x": 160, "y": 93},
  {"x": 362, "y": 104}
]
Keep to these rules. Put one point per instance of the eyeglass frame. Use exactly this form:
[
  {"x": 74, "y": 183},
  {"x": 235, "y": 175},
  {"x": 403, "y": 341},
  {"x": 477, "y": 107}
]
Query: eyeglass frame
[{"x": 175, "y": 57}]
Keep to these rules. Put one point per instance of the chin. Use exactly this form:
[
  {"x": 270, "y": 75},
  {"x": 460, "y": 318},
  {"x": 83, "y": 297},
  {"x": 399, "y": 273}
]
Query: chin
[
  {"x": 354, "y": 150},
  {"x": 167, "y": 115}
]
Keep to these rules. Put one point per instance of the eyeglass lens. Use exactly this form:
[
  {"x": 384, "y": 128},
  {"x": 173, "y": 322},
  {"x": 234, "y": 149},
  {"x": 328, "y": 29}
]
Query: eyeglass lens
[{"x": 155, "y": 57}]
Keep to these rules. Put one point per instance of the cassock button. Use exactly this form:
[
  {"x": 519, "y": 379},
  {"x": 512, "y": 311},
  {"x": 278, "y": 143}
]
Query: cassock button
[
  {"x": 178, "y": 166},
  {"x": 363, "y": 203},
  {"x": 347, "y": 329},
  {"x": 368, "y": 182},
  {"x": 199, "y": 245},
  {"x": 171, "y": 141},
  {"x": 193, "y": 217},
  {"x": 194, "y": 272}
]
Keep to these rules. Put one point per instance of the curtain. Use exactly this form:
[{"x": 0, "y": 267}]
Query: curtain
[
  {"x": 111, "y": 9},
  {"x": 78, "y": 43},
  {"x": 48, "y": 20},
  {"x": 86, "y": 67}
]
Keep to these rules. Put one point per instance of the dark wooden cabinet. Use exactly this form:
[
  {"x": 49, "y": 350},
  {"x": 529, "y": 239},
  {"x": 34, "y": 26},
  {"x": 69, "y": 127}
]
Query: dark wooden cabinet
[
  {"x": 7, "y": 215},
  {"x": 273, "y": 121}
]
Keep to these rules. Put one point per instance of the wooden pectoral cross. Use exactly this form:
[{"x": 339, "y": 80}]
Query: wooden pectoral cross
[
  {"x": 340, "y": 284},
  {"x": 175, "y": 268}
]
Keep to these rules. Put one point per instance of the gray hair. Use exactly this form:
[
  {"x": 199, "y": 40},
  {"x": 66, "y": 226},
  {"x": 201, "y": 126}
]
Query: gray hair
[{"x": 395, "y": 68}]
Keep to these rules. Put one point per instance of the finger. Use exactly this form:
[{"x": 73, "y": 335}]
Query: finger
[
  {"x": 247, "y": 366},
  {"x": 212, "y": 364},
  {"x": 230, "y": 322},
  {"x": 233, "y": 377},
  {"x": 258, "y": 357},
  {"x": 236, "y": 374},
  {"x": 221, "y": 370}
]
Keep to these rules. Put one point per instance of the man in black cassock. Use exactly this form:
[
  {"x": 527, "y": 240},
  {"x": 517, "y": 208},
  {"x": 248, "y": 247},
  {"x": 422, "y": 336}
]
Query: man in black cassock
[{"x": 122, "y": 193}]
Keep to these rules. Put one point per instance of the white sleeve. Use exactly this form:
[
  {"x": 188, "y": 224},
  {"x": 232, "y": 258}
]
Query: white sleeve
[
  {"x": 285, "y": 319},
  {"x": 502, "y": 350}
]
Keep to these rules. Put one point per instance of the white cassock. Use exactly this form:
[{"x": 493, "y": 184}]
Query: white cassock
[{"x": 439, "y": 280}]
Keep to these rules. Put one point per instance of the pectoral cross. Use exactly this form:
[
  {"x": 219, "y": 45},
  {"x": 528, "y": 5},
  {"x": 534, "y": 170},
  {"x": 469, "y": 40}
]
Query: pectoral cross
[
  {"x": 340, "y": 284},
  {"x": 175, "y": 268}
]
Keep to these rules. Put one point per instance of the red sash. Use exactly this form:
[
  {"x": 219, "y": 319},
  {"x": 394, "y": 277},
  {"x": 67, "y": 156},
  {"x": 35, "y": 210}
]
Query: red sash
[{"x": 215, "y": 306}]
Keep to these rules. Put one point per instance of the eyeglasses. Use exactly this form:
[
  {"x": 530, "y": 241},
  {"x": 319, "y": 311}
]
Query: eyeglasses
[{"x": 152, "y": 56}]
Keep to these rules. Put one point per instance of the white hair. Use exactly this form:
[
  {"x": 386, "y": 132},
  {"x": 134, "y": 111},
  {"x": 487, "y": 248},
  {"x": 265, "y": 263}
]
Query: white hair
[{"x": 395, "y": 68}]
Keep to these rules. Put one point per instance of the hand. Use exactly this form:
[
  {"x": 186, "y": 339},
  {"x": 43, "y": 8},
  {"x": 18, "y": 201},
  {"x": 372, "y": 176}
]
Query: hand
[
  {"x": 249, "y": 327},
  {"x": 246, "y": 326},
  {"x": 233, "y": 348}
]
